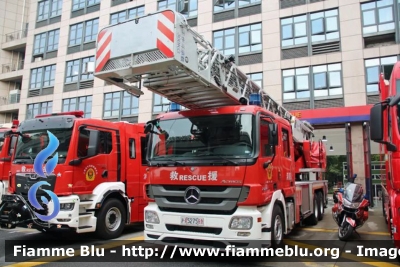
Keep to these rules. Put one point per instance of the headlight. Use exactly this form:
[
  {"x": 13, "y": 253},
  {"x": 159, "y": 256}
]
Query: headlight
[
  {"x": 151, "y": 217},
  {"x": 243, "y": 223},
  {"x": 67, "y": 206}
]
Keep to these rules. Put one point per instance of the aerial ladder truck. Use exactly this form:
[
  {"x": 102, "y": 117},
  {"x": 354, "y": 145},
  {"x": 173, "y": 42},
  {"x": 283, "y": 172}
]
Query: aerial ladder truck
[{"x": 236, "y": 165}]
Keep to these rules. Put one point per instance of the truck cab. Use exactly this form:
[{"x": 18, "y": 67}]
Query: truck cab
[
  {"x": 7, "y": 143},
  {"x": 385, "y": 130}
]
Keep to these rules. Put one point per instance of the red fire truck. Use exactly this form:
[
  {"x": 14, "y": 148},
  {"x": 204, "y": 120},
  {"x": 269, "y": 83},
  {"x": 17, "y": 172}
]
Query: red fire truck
[
  {"x": 98, "y": 179},
  {"x": 7, "y": 143},
  {"x": 385, "y": 121},
  {"x": 236, "y": 166}
]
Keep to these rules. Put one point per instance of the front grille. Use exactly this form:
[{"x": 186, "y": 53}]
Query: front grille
[{"x": 213, "y": 199}]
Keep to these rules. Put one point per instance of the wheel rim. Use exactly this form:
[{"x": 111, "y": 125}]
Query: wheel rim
[
  {"x": 113, "y": 219},
  {"x": 278, "y": 228}
]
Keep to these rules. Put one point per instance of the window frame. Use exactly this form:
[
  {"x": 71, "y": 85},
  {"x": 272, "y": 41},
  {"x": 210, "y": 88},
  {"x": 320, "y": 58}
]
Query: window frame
[
  {"x": 138, "y": 9},
  {"x": 40, "y": 109},
  {"x": 86, "y": 110},
  {"x": 84, "y": 29},
  {"x": 311, "y": 83},
  {"x": 122, "y": 95}
]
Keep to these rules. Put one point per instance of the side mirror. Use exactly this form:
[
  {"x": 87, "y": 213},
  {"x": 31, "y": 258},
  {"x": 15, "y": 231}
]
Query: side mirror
[
  {"x": 94, "y": 138},
  {"x": 376, "y": 120},
  {"x": 147, "y": 128},
  {"x": 335, "y": 199},
  {"x": 273, "y": 134},
  {"x": 395, "y": 100}
]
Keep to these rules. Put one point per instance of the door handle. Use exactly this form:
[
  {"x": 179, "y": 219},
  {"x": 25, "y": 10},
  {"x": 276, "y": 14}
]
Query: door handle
[{"x": 104, "y": 174}]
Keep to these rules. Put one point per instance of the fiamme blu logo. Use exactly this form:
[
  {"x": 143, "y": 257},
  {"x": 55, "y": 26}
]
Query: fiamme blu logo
[{"x": 39, "y": 170}]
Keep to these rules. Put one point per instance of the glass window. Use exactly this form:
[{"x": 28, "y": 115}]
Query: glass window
[
  {"x": 35, "y": 109},
  {"x": 83, "y": 32},
  {"x": 372, "y": 71},
  {"x": 378, "y": 16},
  {"x": 296, "y": 83},
  {"x": 42, "y": 77},
  {"x": 48, "y": 9},
  {"x": 294, "y": 31},
  {"x": 46, "y": 42},
  {"x": 83, "y": 103},
  {"x": 74, "y": 67}
]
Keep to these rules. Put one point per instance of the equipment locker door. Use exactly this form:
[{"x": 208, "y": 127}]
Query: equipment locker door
[{"x": 102, "y": 165}]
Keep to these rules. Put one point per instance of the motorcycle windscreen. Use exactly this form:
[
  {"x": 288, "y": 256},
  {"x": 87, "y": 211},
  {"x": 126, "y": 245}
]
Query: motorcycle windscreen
[{"x": 353, "y": 193}]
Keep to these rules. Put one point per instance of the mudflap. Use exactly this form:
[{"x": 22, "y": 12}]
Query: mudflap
[
  {"x": 15, "y": 211},
  {"x": 351, "y": 222}
]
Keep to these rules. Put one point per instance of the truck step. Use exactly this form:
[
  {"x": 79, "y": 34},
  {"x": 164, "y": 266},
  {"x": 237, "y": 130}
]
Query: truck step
[
  {"x": 85, "y": 214},
  {"x": 86, "y": 201}
]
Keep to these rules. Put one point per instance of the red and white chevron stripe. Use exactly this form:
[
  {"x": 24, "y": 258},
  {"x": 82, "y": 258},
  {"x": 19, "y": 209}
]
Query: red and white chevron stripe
[
  {"x": 103, "y": 49},
  {"x": 165, "y": 35}
]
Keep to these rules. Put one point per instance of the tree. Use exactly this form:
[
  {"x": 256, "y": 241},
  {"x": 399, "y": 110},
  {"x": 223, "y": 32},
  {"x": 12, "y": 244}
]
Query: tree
[{"x": 334, "y": 169}]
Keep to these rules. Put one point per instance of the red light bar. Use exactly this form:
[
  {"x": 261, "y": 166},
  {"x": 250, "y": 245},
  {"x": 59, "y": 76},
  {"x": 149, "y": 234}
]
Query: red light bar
[{"x": 77, "y": 113}]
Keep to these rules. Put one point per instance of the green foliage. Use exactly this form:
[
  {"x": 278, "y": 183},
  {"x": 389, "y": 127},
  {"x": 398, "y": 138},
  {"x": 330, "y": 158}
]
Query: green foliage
[{"x": 334, "y": 169}]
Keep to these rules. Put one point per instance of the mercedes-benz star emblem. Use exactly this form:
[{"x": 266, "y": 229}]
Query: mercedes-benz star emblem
[{"x": 192, "y": 195}]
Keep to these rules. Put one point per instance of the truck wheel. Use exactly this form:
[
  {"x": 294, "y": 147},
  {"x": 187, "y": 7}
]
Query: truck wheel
[
  {"x": 313, "y": 218},
  {"x": 320, "y": 198},
  {"x": 277, "y": 227},
  {"x": 111, "y": 219}
]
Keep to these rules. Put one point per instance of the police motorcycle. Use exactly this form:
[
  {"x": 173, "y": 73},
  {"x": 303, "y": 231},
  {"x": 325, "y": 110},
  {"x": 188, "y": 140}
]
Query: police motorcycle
[{"x": 350, "y": 209}]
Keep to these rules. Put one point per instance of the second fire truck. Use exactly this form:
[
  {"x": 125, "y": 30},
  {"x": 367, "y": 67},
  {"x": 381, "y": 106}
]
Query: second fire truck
[{"x": 98, "y": 178}]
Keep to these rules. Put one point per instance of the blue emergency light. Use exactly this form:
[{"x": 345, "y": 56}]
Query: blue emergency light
[
  {"x": 255, "y": 99},
  {"x": 174, "y": 107}
]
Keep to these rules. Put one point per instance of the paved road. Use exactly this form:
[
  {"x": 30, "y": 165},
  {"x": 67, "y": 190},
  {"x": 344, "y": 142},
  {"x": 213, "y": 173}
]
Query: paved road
[{"x": 374, "y": 229}]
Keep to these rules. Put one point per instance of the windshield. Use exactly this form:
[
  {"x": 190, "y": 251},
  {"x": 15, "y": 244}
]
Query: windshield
[
  {"x": 31, "y": 143},
  {"x": 228, "y": 135},
  {"x": 353, "y": 192}
]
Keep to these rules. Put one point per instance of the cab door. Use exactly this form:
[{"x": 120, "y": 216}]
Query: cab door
[
  {"x": 287, "y": 165},
  {"x": 97, "y": 158}
]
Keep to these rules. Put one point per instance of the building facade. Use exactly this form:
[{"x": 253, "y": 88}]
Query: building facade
[{"x": 307, "y": 54}]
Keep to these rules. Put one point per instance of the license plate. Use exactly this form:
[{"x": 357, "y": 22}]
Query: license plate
[{"x": 192, "y": 221}]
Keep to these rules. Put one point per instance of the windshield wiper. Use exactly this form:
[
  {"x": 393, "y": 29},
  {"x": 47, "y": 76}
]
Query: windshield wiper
[
  {"x": 165, "y": 158},
  {"x": 219, "y": 156},
  {"x": 24, "y": 157}
]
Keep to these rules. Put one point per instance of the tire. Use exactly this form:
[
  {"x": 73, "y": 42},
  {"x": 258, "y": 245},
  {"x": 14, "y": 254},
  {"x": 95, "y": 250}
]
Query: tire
[
  {"x": 346, "y": 233},
  {"x": 321, "y": 209},
  {"x": 313, "y": 218},
  {"x": 112, "y": 212},
  {"x": 277, "y": 227}
]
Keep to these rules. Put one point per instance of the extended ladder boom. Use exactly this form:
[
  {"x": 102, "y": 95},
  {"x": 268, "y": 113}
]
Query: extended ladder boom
[{"x": 163, "y": 53}]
